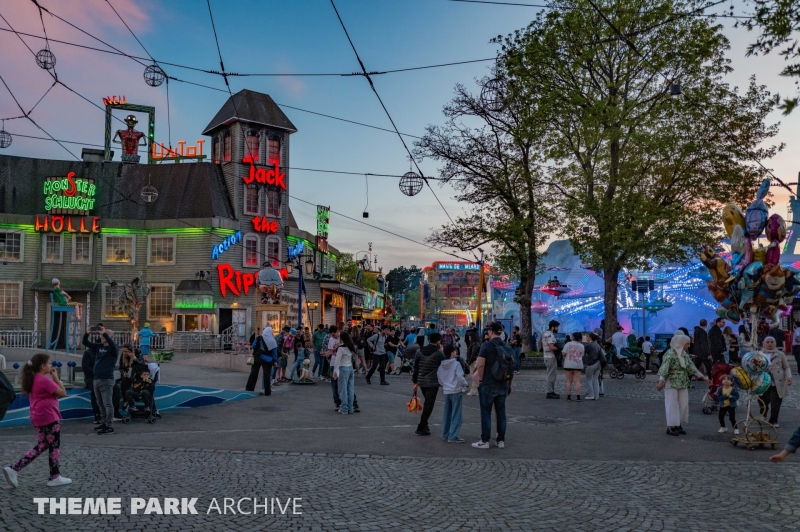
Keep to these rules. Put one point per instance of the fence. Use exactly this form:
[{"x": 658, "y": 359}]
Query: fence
[{"x": 29, "y": 339}]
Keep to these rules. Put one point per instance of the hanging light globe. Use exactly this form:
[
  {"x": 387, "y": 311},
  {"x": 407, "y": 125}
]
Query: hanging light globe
[
  {"x": 154, "y": 76},
  {"x": 149, "y": 193},
  {"x": 45, "y": 59},
  {"x": 5, "y": 138},
  {"x": 411, "y": 184},
  {"x": 492, "y": 95}
]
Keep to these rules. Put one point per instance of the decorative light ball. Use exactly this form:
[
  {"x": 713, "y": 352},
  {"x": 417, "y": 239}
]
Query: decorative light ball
[
  {"x": 149, "y": 193},
  {"x": 45, "y": 59},
  {"x": 492, "y": 95},
  {"x": 154, "y": 76},
  {"x": 755, "y": 363},
  {"x": 411, "y": 184},
  {"x": 5, "y": 138}
]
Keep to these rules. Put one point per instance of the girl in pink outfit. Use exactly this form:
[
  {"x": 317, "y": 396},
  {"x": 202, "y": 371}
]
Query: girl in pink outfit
[{"x": 41, "y": 383}]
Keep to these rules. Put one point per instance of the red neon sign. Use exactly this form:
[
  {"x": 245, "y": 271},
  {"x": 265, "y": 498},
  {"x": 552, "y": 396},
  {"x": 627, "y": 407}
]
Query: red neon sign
[
  {"x": 70, "y": 224},
  {"x": 272, "y": 176},
  {"x": 166, "y": 152},
  {"x": 237, "y": 282},
  {"x": 262, "y": 225}
]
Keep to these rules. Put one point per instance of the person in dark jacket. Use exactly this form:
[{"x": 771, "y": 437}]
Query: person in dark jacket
[
  {"x": 777, "y": 333},
  {"x": 492, "y": 392},
  {"x": 426, "y": 366},
  {"x": 87, "y": 365},
  {"x": 104, "y": 364},
  {"x": 702, "y": 351},
  {"x": 716, "y": 341}
]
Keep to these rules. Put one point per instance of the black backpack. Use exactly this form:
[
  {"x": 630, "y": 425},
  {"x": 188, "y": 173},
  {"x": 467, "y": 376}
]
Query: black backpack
[
  {"x": 503, "y": 367},
  {"x": 7, "y": 395}
]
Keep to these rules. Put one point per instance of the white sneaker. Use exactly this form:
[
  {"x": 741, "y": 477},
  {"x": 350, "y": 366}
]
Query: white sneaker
[
  {"x": 736, "y": 431},
  {"x": 776, "y": 425},
  {"x": 723, "y": 429},
  {"x": 11, "y": 476},
  {"x": 480, "y": 444},
  {"x": 501, "y": 445},
  {"x": 59, "y": 481}
]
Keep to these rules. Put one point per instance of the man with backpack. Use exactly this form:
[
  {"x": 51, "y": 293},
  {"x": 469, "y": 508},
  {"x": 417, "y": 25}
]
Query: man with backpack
[{"x": 495, "y": 370}]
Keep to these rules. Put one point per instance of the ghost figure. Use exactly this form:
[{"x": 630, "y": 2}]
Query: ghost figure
[
  {"x": 756, "y": 215},
  {"x": 776, "y": 233},
  {"x": 270, "y": 284}
]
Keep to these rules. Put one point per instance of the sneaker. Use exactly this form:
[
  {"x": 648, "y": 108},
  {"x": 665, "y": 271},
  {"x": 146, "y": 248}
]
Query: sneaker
[
  {"x": 776, "y": 425},
  {"x": 117, "y": 418},
  {"x": 356, "y": 410},
  {"x": 579, "y": 398},
  {"x": 569, "y": 398},
  {"x": 384, "y": 383},
  {"x": 336, "y": 408},
  {"x": 480, "y": 444},
  {"x": 100, "y": 427},
  {"x": 673, "y": 432},
  {"x": 553, "y": 396},
  {"x": 11, "y": 476},
  {"x": 680, "y": 430},
  {"x": 501, "y": 445},
  {"x": 157, "y": 414},
  {"x": 425, "y": 432},
  {"x": 457, "y": 440},
  {"x": 107, "y": 430},
  {"x": 722, "y": 429},
  {"x": 516, "y": 371},
  {"x": 59, "y": 481},
  {"x": 589, "y": 398},
  {"x": 736, "y": 431},
  {"x": 367, "y": 380},
  {"x": 97, "y": 421},
  {"x": 345, "y": 413}
]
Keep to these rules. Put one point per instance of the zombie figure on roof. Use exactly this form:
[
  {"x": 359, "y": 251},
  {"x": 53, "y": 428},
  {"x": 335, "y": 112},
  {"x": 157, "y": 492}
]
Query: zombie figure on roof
[{"x": 130, "y": 139}]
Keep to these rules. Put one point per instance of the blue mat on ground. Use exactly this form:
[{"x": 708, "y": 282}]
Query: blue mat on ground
[{"x": 78, "y": 404}]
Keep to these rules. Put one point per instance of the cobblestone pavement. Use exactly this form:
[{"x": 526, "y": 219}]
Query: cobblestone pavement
[{"x": 433, "y": 494}]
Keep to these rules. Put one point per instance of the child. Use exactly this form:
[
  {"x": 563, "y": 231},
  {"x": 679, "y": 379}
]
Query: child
[
  {"x": 727, "y": 396},
  {"x": 451, "y": 377},
  {"x": 142, "y": 389},
  {"x": 45, "y": 417},
  {"x": 144, "y": 340}
]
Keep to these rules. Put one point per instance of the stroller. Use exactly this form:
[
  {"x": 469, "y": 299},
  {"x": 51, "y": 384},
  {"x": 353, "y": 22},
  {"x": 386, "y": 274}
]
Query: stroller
[
  {"x": 718, "y": 370},
  {"x": 139, "y": 408},
  {"x": 626, "y": 366},
  {"x": 406, "y": 360}
]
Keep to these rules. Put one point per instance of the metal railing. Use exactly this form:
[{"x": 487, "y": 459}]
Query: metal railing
[
  {"x": 29, "y": 339},
  {"x": 162, "y": 340},
  {"x": 196, "y": 341}
]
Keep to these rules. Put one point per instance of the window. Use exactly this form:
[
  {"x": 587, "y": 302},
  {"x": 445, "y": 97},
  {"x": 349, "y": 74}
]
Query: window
[
  {"x": 227, "y": 146},
  {"x": 161, "y": 250},
  {"x": 11, "y": 246},
  {"x": 52, "y": 249},
  {"x": 159, "y": 302},
  {"x": 112, "y": 306},
  {"x": 455, "y": 291},
  {"x": 273, "y": 249},
  {"x": 467, "y": 291},
  {"x": 274, "y": 151},
  {"x": 251, "y": 250},
  {"x": 273, "y": 203},
  {"x": 119, "y": 249},
  {"x": 11, "y": 299},
  {"x": 217, "y": 158},
  {"x": 252, "y": 146},
  {"x": 251, "y": 199},
  {"x": 81, "y": 249}
]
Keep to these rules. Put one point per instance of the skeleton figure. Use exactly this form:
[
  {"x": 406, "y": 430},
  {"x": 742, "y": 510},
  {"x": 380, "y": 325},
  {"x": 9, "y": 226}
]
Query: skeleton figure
[{"x": 130, "y": 140}]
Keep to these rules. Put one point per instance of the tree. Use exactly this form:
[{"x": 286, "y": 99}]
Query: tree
[
  {"x": 640, "y": 174},
  {"x": 346, "y": 268},
  {"x": 402, "y": 279},
  {"x": 778, "y": 21},
  {"x": 411, "y": 303},
  {"x": 495, "y": 168}
]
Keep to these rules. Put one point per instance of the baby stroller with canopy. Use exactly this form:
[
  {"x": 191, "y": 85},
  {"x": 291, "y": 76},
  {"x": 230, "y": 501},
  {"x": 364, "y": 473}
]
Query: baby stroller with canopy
[
  {"x": 406, "y": 356},
  {"x": 718, "y": 370},
  {"x": 141, "y": 404},
  {"x": 626, "y": 366}
]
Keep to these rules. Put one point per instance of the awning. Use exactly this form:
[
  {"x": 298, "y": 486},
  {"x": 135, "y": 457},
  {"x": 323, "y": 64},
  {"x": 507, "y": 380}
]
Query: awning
[
  {"x": 342, "y": 287},
  {"x": 195, "y": 310},
  {"x": 68, "y": 285}
]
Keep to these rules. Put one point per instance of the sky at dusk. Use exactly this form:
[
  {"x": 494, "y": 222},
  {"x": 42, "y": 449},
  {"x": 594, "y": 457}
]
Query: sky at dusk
[{"x": 299, "y": 36}]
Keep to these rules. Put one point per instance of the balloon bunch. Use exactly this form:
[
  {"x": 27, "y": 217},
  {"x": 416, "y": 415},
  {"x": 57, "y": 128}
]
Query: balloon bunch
[
  {"x": 752, "y": 280},
  {"x": 752, "y": 376}
]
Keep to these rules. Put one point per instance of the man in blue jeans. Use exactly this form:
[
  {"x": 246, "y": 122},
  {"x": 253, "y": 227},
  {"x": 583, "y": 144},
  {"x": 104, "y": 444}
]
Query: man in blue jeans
[{"x": 491, "y": 392}]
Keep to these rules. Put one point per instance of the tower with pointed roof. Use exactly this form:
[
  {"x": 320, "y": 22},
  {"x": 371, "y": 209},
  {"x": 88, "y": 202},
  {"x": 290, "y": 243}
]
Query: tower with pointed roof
[{"x": 250, "y": 141}]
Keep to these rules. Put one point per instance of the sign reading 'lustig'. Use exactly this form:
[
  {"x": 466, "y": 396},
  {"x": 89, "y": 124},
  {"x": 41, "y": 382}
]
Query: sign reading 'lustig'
[{"x": 69, "y": 194}]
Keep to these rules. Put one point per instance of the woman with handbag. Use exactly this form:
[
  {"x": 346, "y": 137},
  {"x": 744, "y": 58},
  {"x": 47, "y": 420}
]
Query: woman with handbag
[{"x": 265, "y": 355}]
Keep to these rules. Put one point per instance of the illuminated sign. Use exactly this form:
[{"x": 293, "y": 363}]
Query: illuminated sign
[
  {"x": 199, "y": 301},
  {"x": 159, "y": 151},
  {"x": 457, "y": 266},
  {"x": 237, "y": 282},
  {"x": 68, "y": 193},
  {"x": 323, "y": 226},
  {"x": 337, "y": 300},
  {"x": 230, "y": 241},
  {"x": 263, "y": 225},
  {"x": 114, "y": 100},
  {"x": 70, "y": 224},
  {"x": 271, "y": 176}
]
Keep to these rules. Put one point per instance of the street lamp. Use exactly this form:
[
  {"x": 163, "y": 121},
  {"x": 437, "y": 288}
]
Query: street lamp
[
  {"x": 290, "y": 264},
  {"x": 311, "y": 305}
]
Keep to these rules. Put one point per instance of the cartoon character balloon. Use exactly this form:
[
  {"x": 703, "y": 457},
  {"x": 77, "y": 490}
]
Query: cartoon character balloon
[
  {"x": 756, "y": 216},
  {"x": 776, "y": 233}
]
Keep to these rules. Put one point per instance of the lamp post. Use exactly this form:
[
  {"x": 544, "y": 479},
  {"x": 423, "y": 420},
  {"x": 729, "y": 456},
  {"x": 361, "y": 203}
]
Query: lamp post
[
  {"x": 309, "y": 267},
  {"x": 312, "y": 305}
]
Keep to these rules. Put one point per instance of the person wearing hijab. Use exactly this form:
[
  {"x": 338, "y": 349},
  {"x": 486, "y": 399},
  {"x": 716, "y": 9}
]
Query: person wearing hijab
[
  {"x": 265, "y": 354},
  {"x": 674, "y": 374},
  {"x": 781, "y": 377}
]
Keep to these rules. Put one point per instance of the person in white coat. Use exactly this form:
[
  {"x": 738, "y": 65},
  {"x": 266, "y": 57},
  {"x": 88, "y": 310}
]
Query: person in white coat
[{"x": 451, "y": 378}]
